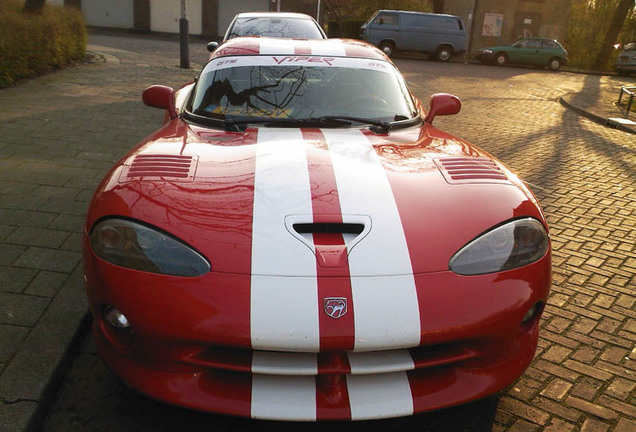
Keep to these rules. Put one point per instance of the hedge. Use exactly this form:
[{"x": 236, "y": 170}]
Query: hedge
[
  {"x": 345, "y": 28},
  {"x": 31, "y": 44}
]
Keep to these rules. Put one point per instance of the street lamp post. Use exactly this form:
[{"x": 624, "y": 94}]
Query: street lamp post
[
  {"x": 473, "y": 21},
  {"x": 183, "y": 37}
]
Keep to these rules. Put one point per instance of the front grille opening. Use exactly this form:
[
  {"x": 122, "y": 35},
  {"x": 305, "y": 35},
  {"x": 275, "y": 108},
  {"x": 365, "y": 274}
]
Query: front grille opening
[{"x": 328, "y": 228}]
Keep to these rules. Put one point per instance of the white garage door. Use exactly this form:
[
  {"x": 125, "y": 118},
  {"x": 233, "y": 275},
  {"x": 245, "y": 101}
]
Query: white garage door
[
  {"x": 108, "y": 13},
  {"x": 227, "y": 10},
  {"x": 165, "y": 15}
]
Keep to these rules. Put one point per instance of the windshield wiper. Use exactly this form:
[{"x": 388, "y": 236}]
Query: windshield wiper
[
  {"x": 378, "y": 126},
  {"x": 239, "y": 124}
]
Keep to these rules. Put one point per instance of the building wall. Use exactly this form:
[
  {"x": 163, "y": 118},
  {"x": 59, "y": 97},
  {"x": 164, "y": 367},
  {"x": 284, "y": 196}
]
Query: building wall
[
  {"x": 210, "y": 18},
  {"x": 205, "y": 17},
  {"x": 544, "y": 18},
  {"x": 108, "y": 13},
  {"x": 165, "y": 15}
]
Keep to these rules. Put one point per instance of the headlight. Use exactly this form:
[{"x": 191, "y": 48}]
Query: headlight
[
  {"x": 130, "y": 244},
  {"x": 509, "y": 246},
  {"x": 487, "y": 51}
]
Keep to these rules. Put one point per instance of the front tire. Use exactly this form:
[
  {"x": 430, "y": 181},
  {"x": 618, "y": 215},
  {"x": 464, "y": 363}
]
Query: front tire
[
  {"x": 387, "y": 47},
  {"x": 554, "y": 64},
  {"x": 501, "y": 59}
]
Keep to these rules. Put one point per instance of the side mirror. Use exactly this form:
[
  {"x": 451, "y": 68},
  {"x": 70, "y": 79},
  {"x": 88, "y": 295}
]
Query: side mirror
[
  {"x": 211, "y": 46},
  {"x": 158, "y": 96},
  {"x": 443, "y": 104}
]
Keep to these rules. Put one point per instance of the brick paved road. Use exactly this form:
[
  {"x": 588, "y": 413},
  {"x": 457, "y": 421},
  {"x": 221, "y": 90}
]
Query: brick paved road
[{"x": 584, "y": 374}]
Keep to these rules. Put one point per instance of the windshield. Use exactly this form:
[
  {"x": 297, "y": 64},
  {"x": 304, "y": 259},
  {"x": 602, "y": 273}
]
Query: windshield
[
  {"x": 630, "y": 46},
  {"x": 300, "y": 88},
  {"x": 295, "y": 28}
]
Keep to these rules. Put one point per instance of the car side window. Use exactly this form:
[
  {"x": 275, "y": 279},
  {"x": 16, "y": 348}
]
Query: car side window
[
  {"x": 548, "y": 44},
  {"x": 386, "y": 19},
  {"x": 533, "y": 43}
]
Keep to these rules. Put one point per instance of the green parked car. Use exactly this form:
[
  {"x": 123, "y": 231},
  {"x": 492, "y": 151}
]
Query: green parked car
[{"x": 531, "y": 51}]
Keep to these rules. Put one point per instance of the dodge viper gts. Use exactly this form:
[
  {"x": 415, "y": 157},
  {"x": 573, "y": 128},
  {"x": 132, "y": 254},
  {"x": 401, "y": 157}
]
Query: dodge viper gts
[{"x": 299, "y": 242}]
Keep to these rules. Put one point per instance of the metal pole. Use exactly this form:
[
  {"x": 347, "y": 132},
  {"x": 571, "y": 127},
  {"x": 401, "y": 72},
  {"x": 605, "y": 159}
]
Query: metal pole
[
  {"x": 318, "y": 13},
  {"x": 472, "y": 29},
  {"x": 183, "y": 37}
]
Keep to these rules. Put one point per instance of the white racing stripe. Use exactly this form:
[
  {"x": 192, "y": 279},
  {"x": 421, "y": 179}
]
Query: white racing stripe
[
  {"x": 379, "y": 396},
  {"x": 284, "y": 397},
  {"x": 269, "y": 46},
  {"x": 284, "y": 308},
  {"x": 300, "y": 60},
  {"x": 385, "y": 302},
  {"x": 363, "y": 363},
  {"x": 280, "y": 363},
  {"x": 331, "y": 49}
]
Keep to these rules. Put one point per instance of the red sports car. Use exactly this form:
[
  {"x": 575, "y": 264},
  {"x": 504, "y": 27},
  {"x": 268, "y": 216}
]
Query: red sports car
[{"x": 299, "y": 242}]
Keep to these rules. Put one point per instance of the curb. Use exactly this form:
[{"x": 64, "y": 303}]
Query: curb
[
  {"x": 33, "y": 377},
  {"x": 596, "y": 118},
  {"x": 103, "y": 57}
]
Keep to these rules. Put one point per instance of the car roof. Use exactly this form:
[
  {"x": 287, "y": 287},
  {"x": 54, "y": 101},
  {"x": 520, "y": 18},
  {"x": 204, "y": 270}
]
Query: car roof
[
  {"x": 419, "y": 13},
  {"x": 256, "y": 45},
  {"x": 537, "y": 37},
  {"x": 273, "y": 15}
]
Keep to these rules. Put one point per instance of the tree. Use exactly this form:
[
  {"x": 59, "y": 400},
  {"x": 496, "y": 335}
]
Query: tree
[
  {"x": 620, "y": 14},
  {"x": 363, "y": 9},
  {"x": 34, "y": 6}
]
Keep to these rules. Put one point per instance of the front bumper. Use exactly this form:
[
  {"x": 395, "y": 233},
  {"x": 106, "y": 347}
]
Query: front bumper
[
  {"x": 626, "y": 67},
  {"x": 485, "y": 57},
  {"x": 189, "y": 347}
]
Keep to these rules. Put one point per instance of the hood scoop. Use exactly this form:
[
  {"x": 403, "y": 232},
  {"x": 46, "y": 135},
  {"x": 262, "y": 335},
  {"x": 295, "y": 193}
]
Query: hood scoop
[
  {"x": 330, "y": 241},
  {"x": 160, "y": 167},
  {"x": 471, "y": 170},
  {"x": 329, "y": 228}
]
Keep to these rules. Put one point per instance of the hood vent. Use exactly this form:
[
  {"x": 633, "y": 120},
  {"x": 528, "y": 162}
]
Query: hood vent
[
  {"x": 329, "y": 241},
  {"x": 471, "y": 170},
  {"x": 328, "y": 228},
  {"x": 160, "y": 167}
]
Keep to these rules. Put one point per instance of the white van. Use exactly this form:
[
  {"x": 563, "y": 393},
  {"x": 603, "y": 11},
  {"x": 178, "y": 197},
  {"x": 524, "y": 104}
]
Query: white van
[{"x": 439, "y": 35}]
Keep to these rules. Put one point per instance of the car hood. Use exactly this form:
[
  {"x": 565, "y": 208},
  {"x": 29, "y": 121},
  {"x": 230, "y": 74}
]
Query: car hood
[
  {"x": 283, "y": 202},
  {"x": 496, "y": 48}
]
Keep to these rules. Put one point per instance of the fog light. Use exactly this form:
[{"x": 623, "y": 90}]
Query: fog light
[{"x": 115, "y": 318}]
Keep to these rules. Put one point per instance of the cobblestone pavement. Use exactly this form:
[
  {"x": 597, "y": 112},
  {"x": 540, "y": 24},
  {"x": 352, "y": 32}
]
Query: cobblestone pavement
[{"x": 60, "y": 134}]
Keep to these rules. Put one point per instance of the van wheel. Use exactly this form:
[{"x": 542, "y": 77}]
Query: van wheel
[
  {"x": 501, "y": 59},
  {"x": 554, "y": 64},
  {"x": 387, "y": 47},
  {"x": 444, "y": 53}
]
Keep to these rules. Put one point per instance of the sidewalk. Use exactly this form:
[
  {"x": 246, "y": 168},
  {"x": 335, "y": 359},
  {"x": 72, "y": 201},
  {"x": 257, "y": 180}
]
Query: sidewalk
[
  {"x": 59, "y": 135},
  {"x": 599, "y": 104}
]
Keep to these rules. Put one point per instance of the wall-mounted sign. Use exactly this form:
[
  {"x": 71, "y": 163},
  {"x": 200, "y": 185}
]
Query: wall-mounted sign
[{"x": 493, "y": 23}]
